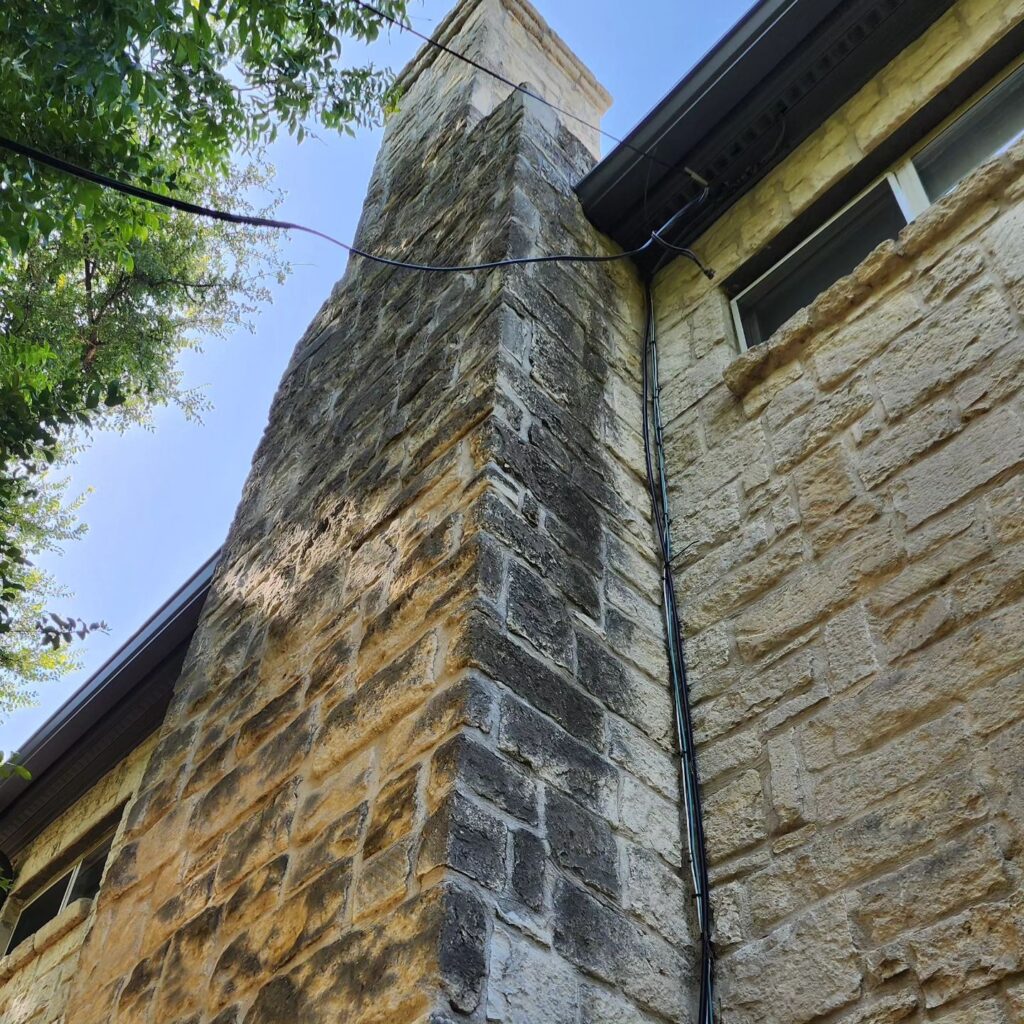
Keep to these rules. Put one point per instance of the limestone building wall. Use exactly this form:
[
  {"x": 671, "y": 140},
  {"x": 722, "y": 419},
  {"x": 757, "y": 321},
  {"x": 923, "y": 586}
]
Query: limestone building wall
[
  {"x": 35, "y": 978},
  {"x": 850, "y": 514},
  {"x": 417, "y": 767}
]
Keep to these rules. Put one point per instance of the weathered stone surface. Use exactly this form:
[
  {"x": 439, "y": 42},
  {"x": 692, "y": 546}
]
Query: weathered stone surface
[
  {"x": 809, "y": 967},
  {"x": 582, "y": 843},
  {"x": 833, "y": 859},
  {"x": 984, "y": 449},
  {"x": 463, "y": 760},
  {"x": 537, "y": 614},
  {"x": 736, "y": 817},
  {"x": 464, "y": 837},
  {"x": 854, "y": 785},
  {"x": 556, "y": 756},
  {"x": 824, "y": 484},
  {"x": 865, "y": 337},
  {"x": 789, "y": 783},
  {"x": 970, "y": 951},
  {"x": 526, "y": 983},
  {"x": 659, "y": 894},
  {"x": 394, "y": 810},
  {"x": 650, "y": 817},
  {"x": 529, "y": 859},
  {"x": 889, "y": 1009},
  {"x": 967, "y": 870},
  {"x": 592, "y": 935},
  {"x": 603, "y": 1006}
]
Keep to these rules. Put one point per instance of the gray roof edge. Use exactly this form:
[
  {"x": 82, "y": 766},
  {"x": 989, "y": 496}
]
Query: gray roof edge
[
  {"x": 755, "y": 35},
  {"x": 110, "y": 683}
]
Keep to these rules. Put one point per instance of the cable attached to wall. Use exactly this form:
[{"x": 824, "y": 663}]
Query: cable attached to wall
[{"x": 657, "y": 482}]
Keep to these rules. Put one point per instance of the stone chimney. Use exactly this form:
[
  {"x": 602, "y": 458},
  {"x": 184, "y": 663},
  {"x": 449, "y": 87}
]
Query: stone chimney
[{"x": 418, "y": 766}]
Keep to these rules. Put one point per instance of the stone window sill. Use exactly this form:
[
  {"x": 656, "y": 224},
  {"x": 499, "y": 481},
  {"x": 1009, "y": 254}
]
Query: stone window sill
[
  {"x": 886, "y": 262},
  {"x": 69, "y": 918}
]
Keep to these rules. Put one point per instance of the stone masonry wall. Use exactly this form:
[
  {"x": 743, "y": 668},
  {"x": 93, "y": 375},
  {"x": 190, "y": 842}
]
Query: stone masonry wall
[
  {"x": 35, "y": 978},
  {"x": 418, "y": 764},
  {"x": 849, "y": 505}
]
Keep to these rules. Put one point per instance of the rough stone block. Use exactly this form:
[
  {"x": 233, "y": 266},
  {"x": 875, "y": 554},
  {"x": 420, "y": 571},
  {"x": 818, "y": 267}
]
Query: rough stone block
[
  {"x": 604, "y": 943},
  {"x": 556, "y": 756},
  {"x": 983, "y": 450},
  {"x": 789, "y": 784},
  {"x": 526, "y": 983},
  {"x": 394, "y": 810},
  {"x": 464, "y": 837},
  {"x": 824, "y": 484},
  {"x": 481, "y": 644},
  {"x": 947, "y": 346},
  {"x": 653, "y": 820},
  {"x": 582, "y": 843},
  {"x": 735, "y": 816},
  {"x": 808, "y": 432},
  {"x": 855, "y": 785},
  {"x": 968, "y": 870},
  {"x": 660, "y": 895},
  {"x": 972, "y": 950},
  {"x": 809, "y": 966},
  {"x": 538, "y": 615},
  {"x": 529, "y": 860},
  {"x": 462, "y": 760}
]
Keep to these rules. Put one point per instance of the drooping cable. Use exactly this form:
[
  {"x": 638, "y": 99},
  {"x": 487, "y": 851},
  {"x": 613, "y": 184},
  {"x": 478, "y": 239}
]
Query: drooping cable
[
  {"x": 466, "y": 59},
  {"x": 196, "y": 209},
  {"x": 657, "y": 482}
]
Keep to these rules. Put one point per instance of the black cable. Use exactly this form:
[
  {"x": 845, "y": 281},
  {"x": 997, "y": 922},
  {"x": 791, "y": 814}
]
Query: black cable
[
  {"x": 267, "y": 222},
  {"x": 404, "y": 27},
  {"x": 657, "y": 482}
]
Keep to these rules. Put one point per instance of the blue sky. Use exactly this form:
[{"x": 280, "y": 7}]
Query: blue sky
[{"x": 162, "y": 500}]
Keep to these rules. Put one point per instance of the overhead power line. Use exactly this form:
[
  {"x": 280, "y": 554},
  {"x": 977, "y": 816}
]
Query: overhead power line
[
  {"x": 196, "y": 209},
  {"x": 406, "y": 27},
  {"x": 173, "y": 203}
]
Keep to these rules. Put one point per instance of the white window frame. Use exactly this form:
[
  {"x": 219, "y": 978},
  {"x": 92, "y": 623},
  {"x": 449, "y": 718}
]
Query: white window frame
[
  {"x": 12, "y": 925},
  {"x": 902, "y": 178}
]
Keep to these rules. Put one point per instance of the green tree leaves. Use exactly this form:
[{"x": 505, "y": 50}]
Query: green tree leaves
[{"x": 99, "y": 293}]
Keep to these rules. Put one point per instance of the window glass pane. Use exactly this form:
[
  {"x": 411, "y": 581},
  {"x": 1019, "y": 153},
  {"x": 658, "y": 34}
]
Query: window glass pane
[
  {"x": 990, "y": 126},
  {"x": 87, "y": 882},
  {"x": 808, "y": 271},
  {"x": 43, "y": 908}
]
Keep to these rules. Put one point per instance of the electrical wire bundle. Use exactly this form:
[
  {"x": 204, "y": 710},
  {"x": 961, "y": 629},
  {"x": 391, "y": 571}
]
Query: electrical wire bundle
[
  {"x": 657, "y": 482},
  {"x": 654, "y": 444}
]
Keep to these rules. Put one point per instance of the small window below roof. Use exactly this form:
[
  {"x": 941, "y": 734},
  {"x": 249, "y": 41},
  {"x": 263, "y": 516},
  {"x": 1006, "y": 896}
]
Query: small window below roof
[
  {"x": 829, "y": 254},
  {"x": 988, "y": 126},
  {"x": 81, "y": 882},
  {"x": 986, "y": 129}
]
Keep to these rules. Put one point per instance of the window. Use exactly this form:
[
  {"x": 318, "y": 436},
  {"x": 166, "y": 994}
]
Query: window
[
  {"x": 988, "y": 127},
  {"x": 81, "y": 882},
  {"x": 825, "y": 257}
]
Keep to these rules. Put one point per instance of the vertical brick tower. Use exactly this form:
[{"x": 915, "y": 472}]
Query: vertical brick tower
[{"x": 418, "y": 766}]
